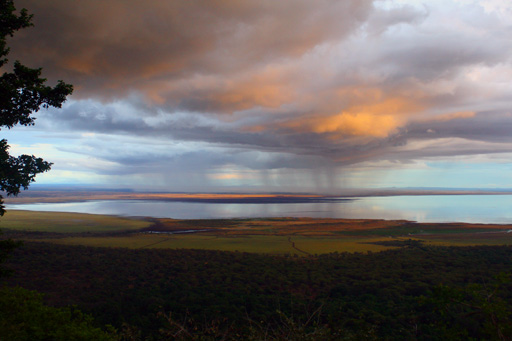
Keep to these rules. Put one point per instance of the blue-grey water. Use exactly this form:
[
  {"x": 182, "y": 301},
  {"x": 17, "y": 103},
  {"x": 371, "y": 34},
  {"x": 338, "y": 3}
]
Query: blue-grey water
[{"x": 425, "y": 208}]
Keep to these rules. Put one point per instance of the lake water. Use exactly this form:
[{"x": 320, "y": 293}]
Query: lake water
[{"x": 425, "y": 208}]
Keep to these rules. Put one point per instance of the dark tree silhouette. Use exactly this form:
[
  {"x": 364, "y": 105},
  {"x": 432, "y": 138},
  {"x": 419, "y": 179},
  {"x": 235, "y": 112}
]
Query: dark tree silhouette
[{"x": 22, "y": 92}]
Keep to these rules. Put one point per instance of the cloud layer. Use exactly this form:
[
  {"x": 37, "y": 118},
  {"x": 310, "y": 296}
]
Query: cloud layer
[{"x": 228, "y": 89}]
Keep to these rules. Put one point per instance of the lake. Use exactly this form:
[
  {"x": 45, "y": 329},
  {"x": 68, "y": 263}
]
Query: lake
[{"x": 421, "y": 208}]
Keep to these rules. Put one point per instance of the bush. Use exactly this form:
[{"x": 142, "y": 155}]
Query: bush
[{"x": 24, "y": 316}]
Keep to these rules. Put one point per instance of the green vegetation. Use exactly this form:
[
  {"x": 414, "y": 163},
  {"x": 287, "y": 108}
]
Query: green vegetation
[
  {"x": 486, "y": 303},
  {"x": 354, "y": 279},
  {"x": 24, "y": 316},
  {"x": 22, "y": 93},
  {"x": 425, "y": 229},
  {"x": 321, "y": 245},
  {"x": 256, "y": 243},
  {"x": 194, "y": 294},
  {"x": 6, "y": 247},
  {"x": 300, "y": 236},
  {"x": 61, "y": 222}
]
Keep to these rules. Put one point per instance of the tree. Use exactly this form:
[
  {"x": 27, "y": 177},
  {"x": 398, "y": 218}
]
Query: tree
[
  {"x": 22, "y": 92},
  {"x": 24, "y": 316}
]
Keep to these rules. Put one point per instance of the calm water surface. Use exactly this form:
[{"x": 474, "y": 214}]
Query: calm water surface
[{"x": 426, "y": 208}]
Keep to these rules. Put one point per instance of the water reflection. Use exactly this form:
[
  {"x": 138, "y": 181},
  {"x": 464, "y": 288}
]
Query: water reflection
[{"x": 431, "y": 208}]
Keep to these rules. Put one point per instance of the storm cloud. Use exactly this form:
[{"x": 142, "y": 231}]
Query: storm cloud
[{"x": 255, "y": 87}]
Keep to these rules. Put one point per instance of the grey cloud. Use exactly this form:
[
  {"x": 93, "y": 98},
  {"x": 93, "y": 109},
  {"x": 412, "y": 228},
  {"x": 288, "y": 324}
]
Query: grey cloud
[
  {"x": 493, "y": 126},
  {"x": 167, "y": 70},
  {"x": 435, "y": 58},
  {"x": 382, "y": 20},
  {"x": 138, "y": 156},
  {"x": 287, "y": 149},
  {"x": 109, "y": 48},
  {"x": 293, "y": 150}
]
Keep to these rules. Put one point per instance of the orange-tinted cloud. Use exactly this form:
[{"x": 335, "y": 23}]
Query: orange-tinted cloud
[
  {"x": 297, "y": 83},
  {"x": 377, "y": 120},
  {"x": 271, "y": 87},
  {"x": 454, "y": 115},
  {"x": 108, "y": 49},
  {"x": 229, "y": 176}
]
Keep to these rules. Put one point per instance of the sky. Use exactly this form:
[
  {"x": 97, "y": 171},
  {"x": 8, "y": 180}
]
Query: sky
[{"x": 289, "y": 95}]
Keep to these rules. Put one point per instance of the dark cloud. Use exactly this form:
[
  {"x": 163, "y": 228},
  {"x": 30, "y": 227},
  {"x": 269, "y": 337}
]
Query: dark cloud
[
  {"x": 109, "y": 48},
  {"x": 269, "y": 85},
  {"x": 483, "y": 126}
]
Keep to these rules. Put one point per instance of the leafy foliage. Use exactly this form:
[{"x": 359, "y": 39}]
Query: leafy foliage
[
  {"x": 22, "y": 92},
  {"x": 9, "y": 23},
  {"x": 18, "y": 172},
  {"x": 6, "y": 247},
  {"x": 481, "y": 310},
  {"x": 24, "y": 316},
  {"x": 212, "y": 294}
]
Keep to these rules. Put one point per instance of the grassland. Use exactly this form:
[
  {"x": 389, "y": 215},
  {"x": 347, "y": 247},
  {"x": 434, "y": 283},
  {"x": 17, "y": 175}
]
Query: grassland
[
  {"x": 61, "y": 222},
  {"x": 269, "y": 244},
  {"x": 300, "y": 236}
]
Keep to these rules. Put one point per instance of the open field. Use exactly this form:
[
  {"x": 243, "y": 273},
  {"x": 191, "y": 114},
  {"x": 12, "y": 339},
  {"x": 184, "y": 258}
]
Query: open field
[
  {"x": 61, "y": 222},
  {"x": 300, "y": 236},
  {"x": 257, "y": 243}
]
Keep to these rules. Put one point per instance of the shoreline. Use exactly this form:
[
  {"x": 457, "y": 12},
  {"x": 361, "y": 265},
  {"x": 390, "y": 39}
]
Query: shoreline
[{"x": 35, "y": 196}]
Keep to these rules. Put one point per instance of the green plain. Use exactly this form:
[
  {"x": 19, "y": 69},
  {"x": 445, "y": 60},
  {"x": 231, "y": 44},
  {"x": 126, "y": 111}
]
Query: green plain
[
  {"x": 257, "y": 244},
  {"x": 62, "y": 222},
  {"x": 230, "y": 235}
]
